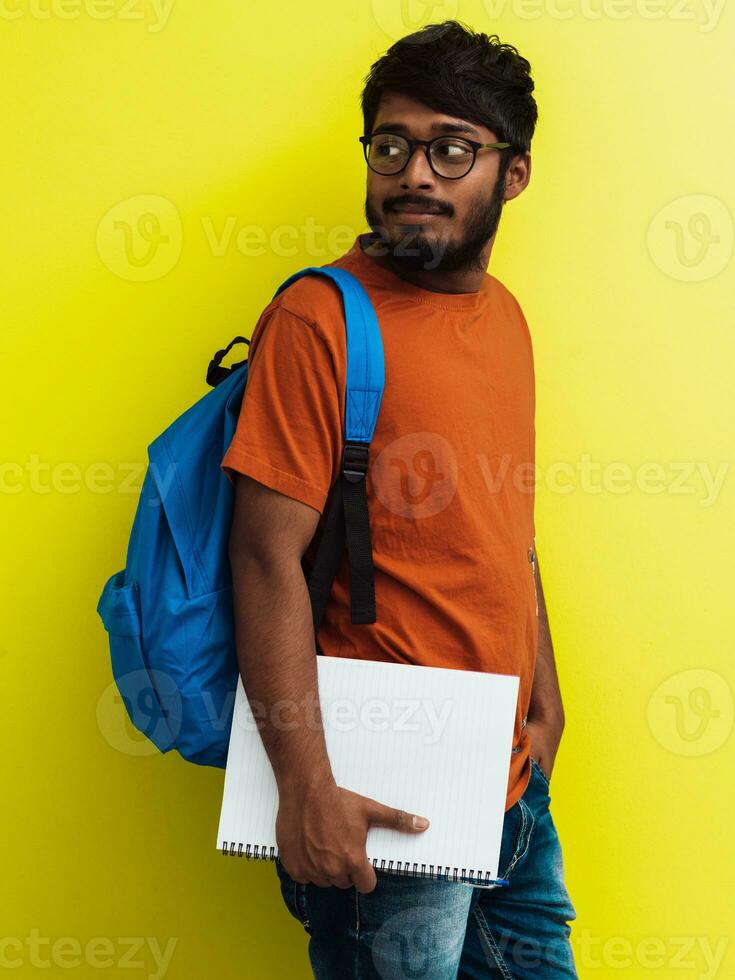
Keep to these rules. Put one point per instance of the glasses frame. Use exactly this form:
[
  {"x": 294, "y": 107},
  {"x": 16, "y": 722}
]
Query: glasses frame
[{"x": 426, "y": 144}]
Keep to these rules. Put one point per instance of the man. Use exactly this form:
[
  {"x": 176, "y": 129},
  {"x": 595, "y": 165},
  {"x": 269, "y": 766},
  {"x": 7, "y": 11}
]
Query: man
[{"x": 450, "y": 491}]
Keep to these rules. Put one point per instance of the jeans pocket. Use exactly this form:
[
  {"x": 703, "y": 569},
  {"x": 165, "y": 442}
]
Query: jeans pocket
[
  {"x": 294, "y": 896},
  {"x": 535, "y": 767}
]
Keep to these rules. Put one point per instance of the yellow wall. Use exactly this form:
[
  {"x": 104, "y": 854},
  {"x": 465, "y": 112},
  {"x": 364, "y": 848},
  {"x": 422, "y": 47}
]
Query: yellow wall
[{"x": 214, "y": 117}]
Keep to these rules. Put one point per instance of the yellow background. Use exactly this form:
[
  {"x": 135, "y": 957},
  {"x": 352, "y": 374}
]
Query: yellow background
[{"x": 236, "y": 115}]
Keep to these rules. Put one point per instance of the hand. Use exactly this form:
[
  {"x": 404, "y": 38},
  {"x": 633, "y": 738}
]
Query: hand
[
  {"x": 321, "y": 831},
  {"x": 545, "y": 737}
]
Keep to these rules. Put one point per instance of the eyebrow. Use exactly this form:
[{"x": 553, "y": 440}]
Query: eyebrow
[{"x": 437, "y": 127}]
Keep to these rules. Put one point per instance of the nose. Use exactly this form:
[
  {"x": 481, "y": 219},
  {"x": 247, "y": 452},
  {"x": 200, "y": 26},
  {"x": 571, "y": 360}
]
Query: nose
[{"x": 418, "y": 173}]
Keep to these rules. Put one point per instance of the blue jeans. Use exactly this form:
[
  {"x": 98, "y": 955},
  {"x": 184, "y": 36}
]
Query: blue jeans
[{"x": 421, "y": 929}]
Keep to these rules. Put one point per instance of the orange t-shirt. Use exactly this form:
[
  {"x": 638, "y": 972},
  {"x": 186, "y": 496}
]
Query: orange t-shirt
[{"x": 450, "y": 482}]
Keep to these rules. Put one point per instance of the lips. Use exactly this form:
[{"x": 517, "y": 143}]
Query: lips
[{"x": 416, "y": 209}]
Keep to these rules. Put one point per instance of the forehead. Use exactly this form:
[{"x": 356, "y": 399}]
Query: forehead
[{"x": 404, "y": 114}]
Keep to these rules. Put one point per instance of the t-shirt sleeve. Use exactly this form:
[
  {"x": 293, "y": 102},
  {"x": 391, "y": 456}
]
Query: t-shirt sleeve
[{"x": 289, "y": 432}]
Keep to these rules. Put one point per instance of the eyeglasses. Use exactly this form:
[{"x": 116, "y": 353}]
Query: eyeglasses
[{"x": 449, "y": 156}]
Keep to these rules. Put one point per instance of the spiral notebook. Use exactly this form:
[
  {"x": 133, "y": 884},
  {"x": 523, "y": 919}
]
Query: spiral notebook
[{"x": 429, "y": 740}]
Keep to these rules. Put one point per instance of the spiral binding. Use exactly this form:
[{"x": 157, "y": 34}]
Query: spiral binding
[{"x": 265, "y": 852}]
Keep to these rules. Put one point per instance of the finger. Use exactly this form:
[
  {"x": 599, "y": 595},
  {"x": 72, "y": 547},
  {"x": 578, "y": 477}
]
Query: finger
[
  {"x": 380, "y": 815},
  {"x": 343, "y": 881},
  {"x": 364, "y": 877},
  {"x": 297, "y": 875}
]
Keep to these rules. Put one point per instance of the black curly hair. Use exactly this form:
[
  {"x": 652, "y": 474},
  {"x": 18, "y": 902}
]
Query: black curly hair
[{"x": 452, "y": 69}]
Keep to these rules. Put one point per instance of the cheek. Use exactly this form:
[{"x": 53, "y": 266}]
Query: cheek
[
  {"x": 471, "y": 201},
  {"x": 375, "y": 193},
  {"x": 381, "y": 187}
]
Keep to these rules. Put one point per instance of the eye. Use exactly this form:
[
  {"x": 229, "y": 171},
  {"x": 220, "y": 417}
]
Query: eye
[
  {"x": 388, "y": 147},
  {"x": 452, "y": 151}
]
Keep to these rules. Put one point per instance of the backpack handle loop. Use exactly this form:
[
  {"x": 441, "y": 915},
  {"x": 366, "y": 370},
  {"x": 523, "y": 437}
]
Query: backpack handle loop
[{"x": 215, "y": 372}]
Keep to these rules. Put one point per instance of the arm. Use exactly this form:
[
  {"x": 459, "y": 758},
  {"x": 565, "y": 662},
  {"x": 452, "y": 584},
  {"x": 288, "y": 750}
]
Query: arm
[
  {"x": 274, "y": 637},
  {"x": 321, "y": 828},
  {"x": 546, "y": 713}
]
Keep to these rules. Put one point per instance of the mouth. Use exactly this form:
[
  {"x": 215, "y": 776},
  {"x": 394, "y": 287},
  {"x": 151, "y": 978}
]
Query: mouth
[{"x": 415, "y": 213}]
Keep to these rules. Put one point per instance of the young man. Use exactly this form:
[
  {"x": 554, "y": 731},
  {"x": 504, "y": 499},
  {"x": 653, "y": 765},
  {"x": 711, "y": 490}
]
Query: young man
[{"x": 449, "y": 117}]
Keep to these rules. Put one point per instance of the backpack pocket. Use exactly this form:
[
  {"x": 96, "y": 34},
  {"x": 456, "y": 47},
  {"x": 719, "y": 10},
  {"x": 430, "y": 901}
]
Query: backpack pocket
[{"x": 119, "y": 610}]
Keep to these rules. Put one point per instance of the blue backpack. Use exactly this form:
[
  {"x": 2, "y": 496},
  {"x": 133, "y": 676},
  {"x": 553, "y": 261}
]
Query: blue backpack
[{"x": 168, "y": 613}]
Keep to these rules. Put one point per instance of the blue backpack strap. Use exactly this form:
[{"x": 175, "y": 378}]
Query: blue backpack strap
[
  {"x": 365, "y": 364},
  {"x": 346, "y": 518}
]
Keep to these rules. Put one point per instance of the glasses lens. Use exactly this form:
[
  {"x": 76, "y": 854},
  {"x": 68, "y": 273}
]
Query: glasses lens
[
  {"x": 387, "y": 154},
  {"x": 451, "y": 157}
]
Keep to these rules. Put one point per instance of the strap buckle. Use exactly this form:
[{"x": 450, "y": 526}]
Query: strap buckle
[{"x": 355, "y": 461}]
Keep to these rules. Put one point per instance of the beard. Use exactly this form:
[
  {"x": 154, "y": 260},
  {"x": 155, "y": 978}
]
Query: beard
[{"x": 414, "y": 249}]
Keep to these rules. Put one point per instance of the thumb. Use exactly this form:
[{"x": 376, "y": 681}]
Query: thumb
[{"x": 380, "y": 815}]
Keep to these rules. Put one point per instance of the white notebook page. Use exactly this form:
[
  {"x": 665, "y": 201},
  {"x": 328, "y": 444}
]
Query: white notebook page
[{"x": 429, "y": 740}]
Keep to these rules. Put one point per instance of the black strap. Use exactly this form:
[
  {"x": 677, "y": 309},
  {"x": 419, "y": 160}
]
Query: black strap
[{"x": 346, "y": 521}]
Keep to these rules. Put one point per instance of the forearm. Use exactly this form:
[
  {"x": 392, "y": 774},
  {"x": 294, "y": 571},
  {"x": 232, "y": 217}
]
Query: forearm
[
  {"x": 276, "y": 656},
  {"x": 546, "y": 703}
]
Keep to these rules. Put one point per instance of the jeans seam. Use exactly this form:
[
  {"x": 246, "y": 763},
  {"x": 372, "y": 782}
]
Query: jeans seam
[
  {"x": 301, "y": 905},
  {"x": 357, "y": 934},
  {"x": 494, "y": 948},
  {"x": 540, "y": 771},
  {"x": 525, "y": 816}
]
